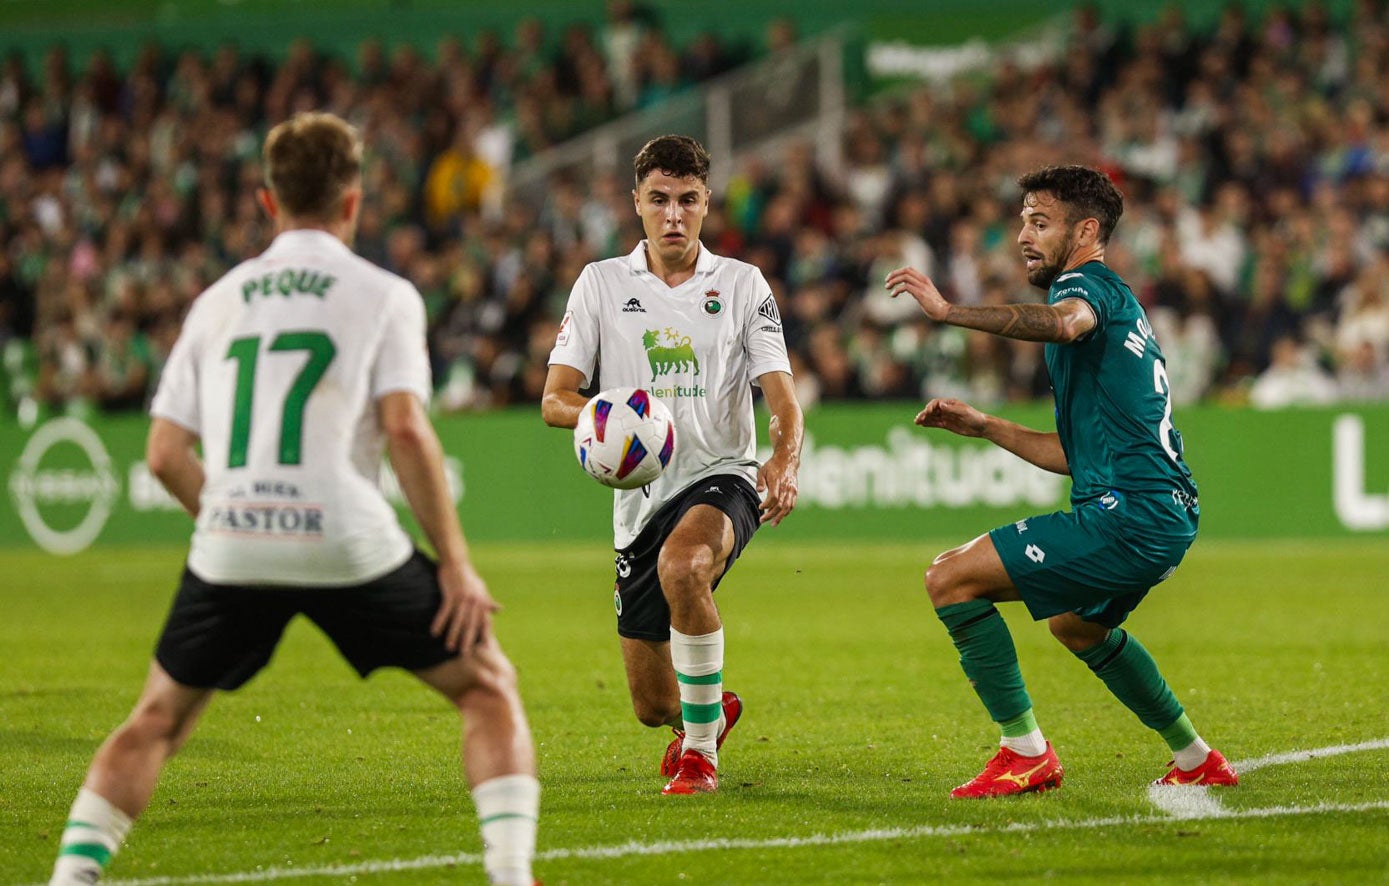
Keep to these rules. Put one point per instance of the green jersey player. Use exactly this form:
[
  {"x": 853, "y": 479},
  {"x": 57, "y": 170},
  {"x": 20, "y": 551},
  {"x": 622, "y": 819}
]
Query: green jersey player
[{"x": 1133, "y": 510}]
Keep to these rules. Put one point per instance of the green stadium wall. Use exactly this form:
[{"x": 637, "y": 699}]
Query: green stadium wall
[
  {"x": 266, "y": 26},
  {"x": 867, "y": 475}
]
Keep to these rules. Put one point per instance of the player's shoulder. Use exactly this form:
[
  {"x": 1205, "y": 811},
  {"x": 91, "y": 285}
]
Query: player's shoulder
[
  {"x": 743, "y": 277},
  {"x": 1093, "y": 279},
  {"x": 350, "y": 271},
  {"x": 619, "y": 266},
  {"x": 377, "y": 277}
]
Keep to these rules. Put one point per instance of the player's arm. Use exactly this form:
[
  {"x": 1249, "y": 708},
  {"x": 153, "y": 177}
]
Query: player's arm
[
  {"x": 1063, "y": 322},
  {"x": 1041, "y": 448},
  {"x": 172, "y": 456},
  {"x": 561, "y": 403},
  {"x": 418, "y": 459},
  {"x": 776, "y": 479}
]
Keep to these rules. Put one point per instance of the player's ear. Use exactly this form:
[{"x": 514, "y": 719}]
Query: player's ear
[
  {"x": 1089, "y": 231},
  {"x": 267, "y": 202},
  {"x": 636, "y": 200},
  {"x": 351, "y": 203}
]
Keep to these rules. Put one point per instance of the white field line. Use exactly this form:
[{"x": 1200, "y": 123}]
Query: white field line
[
  {"x": 1198, "y": 801},
  {"x": 1244, "y": 766},
  {"x": 672, "y": 847},
  {"x": 1190, "y": 809},
  {"x": 1186, "y": 801}
]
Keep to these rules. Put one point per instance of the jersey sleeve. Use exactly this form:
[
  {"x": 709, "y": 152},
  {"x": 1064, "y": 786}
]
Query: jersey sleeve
[
  {"x": 176, "y": 397},
  {"x": 402, "y": 363},
  {"x": 762, "y": 337},
  {"x": 577, "y": 342},
  {"x": 1103, "y": 300}
]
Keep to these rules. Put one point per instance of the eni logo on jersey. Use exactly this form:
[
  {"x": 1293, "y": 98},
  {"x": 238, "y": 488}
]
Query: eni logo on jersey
[
  {"x": 290, "y": 281},
  {"x": 670, "y": 352}
]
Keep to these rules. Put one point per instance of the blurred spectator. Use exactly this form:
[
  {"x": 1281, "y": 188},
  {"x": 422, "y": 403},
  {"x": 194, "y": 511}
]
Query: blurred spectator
[
  {"x": 1362, "y": 375},
  {"x": 1293, "y": 378},
  {"x": 1254, "y": 158}
]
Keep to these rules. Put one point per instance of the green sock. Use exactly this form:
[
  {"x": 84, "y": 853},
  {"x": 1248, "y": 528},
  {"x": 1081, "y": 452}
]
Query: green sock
[
  {"x": 1020, "y": 725},
  {"x": 1181, "y": 734},
  {"x": 988, "y": 658},
  {"x": 1132, "y": 675}
]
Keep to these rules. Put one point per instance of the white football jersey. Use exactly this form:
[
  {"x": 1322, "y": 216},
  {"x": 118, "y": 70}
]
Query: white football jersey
[
  {"x": 277, "y": 369},
  {"x": 698, "y": 347}
]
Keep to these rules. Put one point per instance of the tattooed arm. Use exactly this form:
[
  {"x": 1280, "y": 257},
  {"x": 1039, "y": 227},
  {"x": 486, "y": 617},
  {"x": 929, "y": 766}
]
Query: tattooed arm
[{"x": 1064, "y": 321}]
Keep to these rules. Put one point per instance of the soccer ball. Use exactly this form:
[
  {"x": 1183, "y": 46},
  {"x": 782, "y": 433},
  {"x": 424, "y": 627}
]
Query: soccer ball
[{"x": 625, "y": 438}]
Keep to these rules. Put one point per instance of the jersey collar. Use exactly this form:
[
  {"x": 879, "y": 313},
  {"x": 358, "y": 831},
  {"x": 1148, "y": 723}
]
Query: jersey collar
[
  {"x": 704, "y": 263},
  {"x": 305, "y": 238}
]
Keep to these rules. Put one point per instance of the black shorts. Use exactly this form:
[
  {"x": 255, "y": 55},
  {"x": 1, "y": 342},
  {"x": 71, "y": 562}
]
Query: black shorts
[
  {"x": 642, "y": 611},
  {"x": 220, "y": 636}
]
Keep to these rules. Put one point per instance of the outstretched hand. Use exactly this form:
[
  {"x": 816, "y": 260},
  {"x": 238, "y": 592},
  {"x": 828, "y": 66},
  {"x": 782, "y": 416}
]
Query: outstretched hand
[
  {"x": 465, "y": 615},
  {"x": 955, "y": 416},
  {"x": 918, "y": 286}
]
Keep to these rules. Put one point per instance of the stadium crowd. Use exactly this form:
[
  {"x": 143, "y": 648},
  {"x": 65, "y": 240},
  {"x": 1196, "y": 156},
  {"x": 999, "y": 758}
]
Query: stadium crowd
[{"x": 1254, "y": 157}]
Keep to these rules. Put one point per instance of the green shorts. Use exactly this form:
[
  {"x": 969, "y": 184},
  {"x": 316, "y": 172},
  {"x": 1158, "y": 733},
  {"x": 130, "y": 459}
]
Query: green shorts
[{"x": 1098, "y": 560}]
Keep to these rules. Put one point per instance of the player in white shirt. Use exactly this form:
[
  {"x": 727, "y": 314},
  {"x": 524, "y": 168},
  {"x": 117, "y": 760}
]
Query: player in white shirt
[
  {"x": 697, "y": 330},
  {"x": 295, "y": 372}
]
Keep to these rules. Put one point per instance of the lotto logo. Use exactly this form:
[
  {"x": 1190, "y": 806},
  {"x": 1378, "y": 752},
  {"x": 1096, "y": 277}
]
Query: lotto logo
[{"x": 1035, "y": 554}]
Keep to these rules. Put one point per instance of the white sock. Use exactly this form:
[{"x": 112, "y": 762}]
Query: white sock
[
  {"x": 1191, "y": 756},
  {"x": 1030, "y": 745},
  {"x": 698, "y": 660},
  {"x": 508, "y": 808},
  {"x": 94, "y": 831}
]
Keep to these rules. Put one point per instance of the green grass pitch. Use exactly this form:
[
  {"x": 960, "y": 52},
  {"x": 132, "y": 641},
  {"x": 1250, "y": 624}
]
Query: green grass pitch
[{"x": 858, "y": 722}]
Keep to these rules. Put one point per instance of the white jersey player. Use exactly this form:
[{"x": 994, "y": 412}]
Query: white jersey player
[
  {"x": 295, "y": 372},
  {"x": 300, "y": 343},
  {"x": 696, "y": 330}
]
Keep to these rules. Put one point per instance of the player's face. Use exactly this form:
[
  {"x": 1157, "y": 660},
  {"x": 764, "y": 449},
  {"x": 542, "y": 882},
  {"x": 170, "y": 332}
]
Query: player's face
[
  {"x": 672, "y": 211},
  {"x": 1047, "y": 238}
]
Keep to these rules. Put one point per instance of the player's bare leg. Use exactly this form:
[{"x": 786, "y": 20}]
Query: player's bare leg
[
  {"x": 651, "y": 682},
  {"x": 123, "y": 775},
  {"x": 656, "y": 696},
  {"x": 498, "y": 756},
  {"x": 695, "y": 554},
  {"x": 964, "y": 583}
]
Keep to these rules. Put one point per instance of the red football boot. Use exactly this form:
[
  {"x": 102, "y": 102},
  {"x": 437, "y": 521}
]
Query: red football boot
[
  {"x": 1011, "y": 773},
  {"x": 694, "y": 775},
  {"x": 732, "y": 710},
  {"x": 1214, "y": 771}
]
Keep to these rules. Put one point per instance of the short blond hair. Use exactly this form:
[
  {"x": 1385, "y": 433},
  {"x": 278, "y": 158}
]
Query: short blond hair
[{"x": 311, "y": 160}]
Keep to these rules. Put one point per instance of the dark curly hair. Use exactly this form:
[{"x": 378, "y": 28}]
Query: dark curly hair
[
  {"x": 675, "y": 155},
  {"x": 1086, "y": 192}
]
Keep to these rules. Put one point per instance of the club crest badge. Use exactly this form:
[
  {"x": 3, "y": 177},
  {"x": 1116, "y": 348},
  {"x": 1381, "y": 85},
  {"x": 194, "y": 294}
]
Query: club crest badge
[{"x": 713, "y": 303}]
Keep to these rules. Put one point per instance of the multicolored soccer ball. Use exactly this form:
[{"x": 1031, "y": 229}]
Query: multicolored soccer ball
[{"x": 625, "y": 438}]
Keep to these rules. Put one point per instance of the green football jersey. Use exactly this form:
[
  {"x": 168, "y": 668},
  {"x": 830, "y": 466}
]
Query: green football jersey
[{"x": 1113, "y": 401}]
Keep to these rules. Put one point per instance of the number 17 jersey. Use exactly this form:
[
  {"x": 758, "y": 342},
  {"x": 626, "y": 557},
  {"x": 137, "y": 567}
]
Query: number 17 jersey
[{"x": 277, "y": 369}]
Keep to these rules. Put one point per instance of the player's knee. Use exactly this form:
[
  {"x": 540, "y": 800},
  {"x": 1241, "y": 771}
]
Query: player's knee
[
  {"x": 151, "y": 723},
  {"x": 652, "y": 712},
  {"x": 944, "y": 583},
  {"x": 685, "y": 569},
  {"x": 1075, "y": 634},
  {"x": 491, "y": 680},
  {"x": 497, "y": 675}
]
